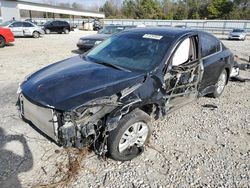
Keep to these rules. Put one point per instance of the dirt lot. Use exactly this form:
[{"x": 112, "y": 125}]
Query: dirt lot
[{"x": 205, "y": 144}]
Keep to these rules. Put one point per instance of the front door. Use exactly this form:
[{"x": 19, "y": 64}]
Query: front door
[
  {"x": 17, "y": 28},
  {"x": 183, "y": 73}
]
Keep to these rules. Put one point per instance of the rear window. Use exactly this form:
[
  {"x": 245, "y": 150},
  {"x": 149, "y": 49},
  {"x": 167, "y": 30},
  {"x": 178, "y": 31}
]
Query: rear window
[
  {"x": 238, "y": 30},
  {"x": 111, "y": 29},
  {"x": 26, "y": 24},
  {"x": 209, "y": 44}
]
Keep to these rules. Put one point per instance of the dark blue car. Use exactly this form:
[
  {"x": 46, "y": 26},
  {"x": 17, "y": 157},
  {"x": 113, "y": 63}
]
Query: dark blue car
[{"x": 108, "y": 97}]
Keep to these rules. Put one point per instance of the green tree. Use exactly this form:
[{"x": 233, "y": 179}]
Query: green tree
[
  {"x": 77, "y": 6},
  {"x": 149, "y": 9},
  {"x": 110, "y": 10},
  {"x": 129, "y": 8},
  {"x": 220, "y": 9},
  {"x": 167, "y": 9},
  {"x": 181, "y": 11}
]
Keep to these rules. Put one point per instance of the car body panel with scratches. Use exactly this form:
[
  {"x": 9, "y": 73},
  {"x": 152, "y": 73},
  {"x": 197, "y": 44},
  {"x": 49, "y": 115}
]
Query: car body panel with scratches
[
  {"x": 101, "y": 97},
  {"x": 6, "y": 36}
]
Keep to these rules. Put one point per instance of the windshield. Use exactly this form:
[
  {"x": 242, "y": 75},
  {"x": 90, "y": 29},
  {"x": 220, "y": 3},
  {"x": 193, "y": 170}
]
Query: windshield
[
  {"x": 6, "y": 23},
  {"x": 110, "y": 30},
  {"x": 134, "y": 52},
  {"x": 48, "y": 22},
  {"x": 238, "y": 30}
]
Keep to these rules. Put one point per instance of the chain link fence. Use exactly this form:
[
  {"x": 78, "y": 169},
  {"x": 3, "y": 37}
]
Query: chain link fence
[{"x": 215, "y": 26}]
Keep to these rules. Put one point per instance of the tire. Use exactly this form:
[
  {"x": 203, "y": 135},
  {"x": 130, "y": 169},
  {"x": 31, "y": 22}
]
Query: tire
[
  {"x": 2, "y": 42},
  {"x": 135, "y": 127},
  {"x": 220, "y": 85},
  {"x": 66, "y": 31},
  {"x": 47, "y": 31},
  {"x": 36, "y": 34}
]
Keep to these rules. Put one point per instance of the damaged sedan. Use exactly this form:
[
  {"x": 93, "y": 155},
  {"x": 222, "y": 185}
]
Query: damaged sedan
[{"x": 108, "y": 97}]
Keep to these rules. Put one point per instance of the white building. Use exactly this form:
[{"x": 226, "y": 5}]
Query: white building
[{"x": 11, "y": 9}]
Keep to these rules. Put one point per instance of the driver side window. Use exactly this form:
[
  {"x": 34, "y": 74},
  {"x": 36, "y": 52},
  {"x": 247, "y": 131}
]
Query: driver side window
[
  {"x": 181, "y": 55},
  {"x": 17, "y": 24},
  {"x": 185, "y": 52}
]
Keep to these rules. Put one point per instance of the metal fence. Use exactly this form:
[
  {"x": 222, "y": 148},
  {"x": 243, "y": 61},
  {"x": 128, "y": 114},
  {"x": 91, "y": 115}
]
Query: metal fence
[{"x": 215, "y": 26}]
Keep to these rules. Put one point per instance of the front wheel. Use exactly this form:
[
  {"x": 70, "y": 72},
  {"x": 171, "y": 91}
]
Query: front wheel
[
  {"x": 36, "y": 34},
  {"x": 220, "y": 85},
  {"x": 47, "y": 31},
  {"x": 2, "y": 42},
  {"x": 128, "y": 139}
]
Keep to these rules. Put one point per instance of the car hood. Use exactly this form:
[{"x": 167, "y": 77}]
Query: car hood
[
  {"x": 96, "y": 37},
  {"x": 73, "y": 82},
  {"x": 4, "y": 28}
]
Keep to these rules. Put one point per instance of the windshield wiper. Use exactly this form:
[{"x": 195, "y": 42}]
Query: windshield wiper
[
  {"x": 113, "y": 66},
  {"x": 108, "y": 64}
]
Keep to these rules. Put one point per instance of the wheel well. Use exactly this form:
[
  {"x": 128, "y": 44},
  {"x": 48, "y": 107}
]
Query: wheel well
[
  {"x": 149, "y": 108},
  {"x": 228, "y": 73},
  {"x": 3, "y": 37}
]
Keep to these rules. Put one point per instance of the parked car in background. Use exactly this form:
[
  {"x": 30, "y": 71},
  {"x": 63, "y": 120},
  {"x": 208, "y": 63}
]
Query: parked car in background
[
  {"x": 30, "y": 20},
  {"x": 239, "y": 34},
  {"x": 56, "y": 26},
  {"x": 23, "y": 29},
  {"x": 88, "y": 42},
  {"x": 6, "y": 36},
  {"x": 97, "y": 25},
  {"x": 182, "y": 26},
  {"x": 107, "y": 97}
]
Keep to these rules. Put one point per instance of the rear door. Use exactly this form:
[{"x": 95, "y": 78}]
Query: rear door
[
  {"x": 60, "y": 26},
  {"x": 27, "y": 29},
  {"x": 17, "y": 28},
  {"x": 213, "y": 59},
  {"x": 183, "y": 73}
]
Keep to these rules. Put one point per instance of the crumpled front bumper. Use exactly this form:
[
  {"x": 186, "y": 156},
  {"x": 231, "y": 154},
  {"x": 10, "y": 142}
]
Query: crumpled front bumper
[{"x": 42, "y": 118}]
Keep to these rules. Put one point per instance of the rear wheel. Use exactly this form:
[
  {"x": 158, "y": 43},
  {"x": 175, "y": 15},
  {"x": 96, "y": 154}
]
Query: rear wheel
[
  {"x": 36, "y": 34},
  {"x": 66, "y": 31},
  {"x": 2, "y": 42},
  {"x": 128, "y": 139},
  {"x": 220, "y": 85}
]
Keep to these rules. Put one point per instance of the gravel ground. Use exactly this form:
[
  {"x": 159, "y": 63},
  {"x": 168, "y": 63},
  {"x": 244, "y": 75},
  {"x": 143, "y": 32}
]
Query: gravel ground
[{"x": 204, "y": 144}]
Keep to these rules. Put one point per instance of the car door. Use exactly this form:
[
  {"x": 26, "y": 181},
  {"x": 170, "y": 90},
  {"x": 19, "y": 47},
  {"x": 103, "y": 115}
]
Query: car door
[
  {"x": 58, "y": 26},
  {"x": 183, "y": 73},
  {"x": 27, "y": 29},
  {"x": 62, "y": 25},
  {"x": 17, "y": 28},
  {"x": 52, "y": 26},
  {"x": 213, "y": 60}
]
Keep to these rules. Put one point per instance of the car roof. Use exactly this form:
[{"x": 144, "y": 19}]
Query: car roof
[
  {"x": 58, "y": 21},
  {"x": 239, "y": 29},
  {"x": 167, "y": 31}
]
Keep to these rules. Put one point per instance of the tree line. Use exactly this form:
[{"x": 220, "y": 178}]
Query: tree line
[{"x": 177, "y": 9}]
